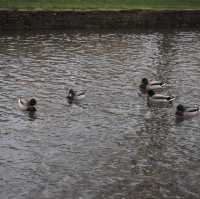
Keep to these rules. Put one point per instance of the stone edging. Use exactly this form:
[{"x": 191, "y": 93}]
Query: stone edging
[{"x": 45, "y": 20}]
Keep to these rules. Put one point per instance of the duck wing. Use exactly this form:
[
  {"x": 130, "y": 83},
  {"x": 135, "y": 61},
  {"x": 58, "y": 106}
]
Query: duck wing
[
  {"x": 23, "y": 101},
  {"x": 192, "y": 109},
  {"x": 163, "y": 97},
  {"x": 80, "y": 95},
  {"x": 156, "y": 83},
  {"x": 160, "y": 96}
]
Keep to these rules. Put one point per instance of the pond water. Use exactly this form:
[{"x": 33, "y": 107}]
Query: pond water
[{"x": 111, "y": 144}]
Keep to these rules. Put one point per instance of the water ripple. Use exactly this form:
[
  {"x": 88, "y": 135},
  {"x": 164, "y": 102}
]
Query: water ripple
[{"x": 110, "y": 145}]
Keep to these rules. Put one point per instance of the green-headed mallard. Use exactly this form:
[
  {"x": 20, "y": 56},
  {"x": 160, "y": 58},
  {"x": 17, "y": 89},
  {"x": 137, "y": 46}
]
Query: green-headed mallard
[
  {"x": 150, "y": 85},
  {"x": 159, "y": 98},
  {"x": 185, "y": 111}
]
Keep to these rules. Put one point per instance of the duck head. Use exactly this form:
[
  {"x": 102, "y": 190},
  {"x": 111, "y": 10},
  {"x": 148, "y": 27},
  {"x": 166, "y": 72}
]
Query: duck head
[
  {"x": 151, "y": 93},
  {"x": 71, "y": 94},
  {"x": 144, "y": 84},
  {"x": 180, "y": 108},
  {"x": 32, "y": 102},
  {"x": 145, "y": 81}
]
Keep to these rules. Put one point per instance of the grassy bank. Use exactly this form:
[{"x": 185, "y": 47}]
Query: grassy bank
[{"x": 99, "y": 4}]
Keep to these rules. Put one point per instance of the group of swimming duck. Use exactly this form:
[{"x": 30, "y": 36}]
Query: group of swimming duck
[
  {"x": 29, "y": 105},
  {"x": 151, "y": 87},
  {"x": 146, "y": 87}
]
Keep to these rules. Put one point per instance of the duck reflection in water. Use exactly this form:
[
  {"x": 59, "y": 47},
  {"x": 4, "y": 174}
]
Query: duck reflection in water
[{"x": 32, "y": 115}]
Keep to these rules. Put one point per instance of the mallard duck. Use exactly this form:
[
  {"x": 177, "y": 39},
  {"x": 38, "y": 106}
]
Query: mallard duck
[
  {"x": 153, "y": 85},
  {"x": 183, "y": 111},
  {"x": 27, "y": 105},
  {"x": 159, "y": 98},
  {"x": 74, "y": 95}
]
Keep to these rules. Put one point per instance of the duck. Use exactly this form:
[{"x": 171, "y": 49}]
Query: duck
[
  {"x": 74, "y": 95},
  {"x": 145, "y": 85},
  {"x": 27, "y": 105},
  {"x": 183, "y": 111},
  {"x": 159, "y": 98}
]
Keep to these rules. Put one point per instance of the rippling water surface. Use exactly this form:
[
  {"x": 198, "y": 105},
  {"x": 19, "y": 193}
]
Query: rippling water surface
[{"x": 111, "y": 145}]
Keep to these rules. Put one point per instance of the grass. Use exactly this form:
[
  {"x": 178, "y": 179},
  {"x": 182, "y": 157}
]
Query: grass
[{"x": 100, "y": 4}]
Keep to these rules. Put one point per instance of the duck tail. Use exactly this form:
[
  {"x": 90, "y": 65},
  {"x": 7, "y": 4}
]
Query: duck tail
[
  {"x": 171, "y": 98},
  {"x": 81, "y": 93},
  {"x": 162, "y": 84},
  {"x": 197, "y": 109}
]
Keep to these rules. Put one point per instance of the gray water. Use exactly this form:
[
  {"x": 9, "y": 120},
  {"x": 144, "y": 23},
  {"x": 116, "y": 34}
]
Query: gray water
[{"x": 111, "y": 144}]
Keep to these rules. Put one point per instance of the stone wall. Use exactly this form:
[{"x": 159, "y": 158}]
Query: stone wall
[{"x": 44, "y": 20}]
